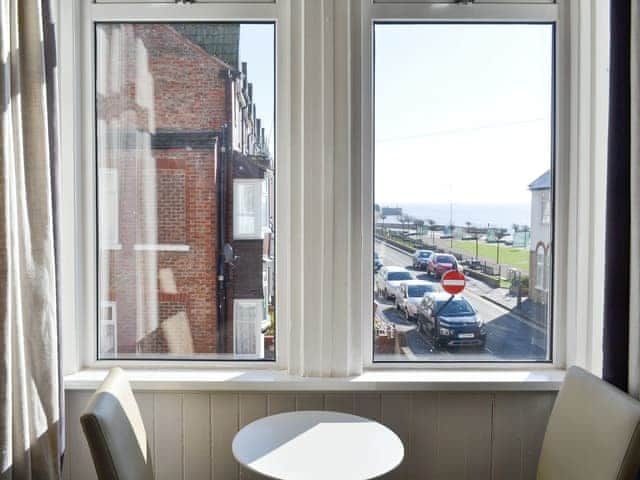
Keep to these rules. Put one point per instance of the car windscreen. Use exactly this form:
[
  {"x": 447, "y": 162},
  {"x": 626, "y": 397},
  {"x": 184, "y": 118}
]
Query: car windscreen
[
  {"x": 394, "y": 276},
  {"x": 455, "y": 308},
  {"x": 424, "y": 254},
  {"x": 420, "y": 290},
  {"x": 444, "y": 259}
]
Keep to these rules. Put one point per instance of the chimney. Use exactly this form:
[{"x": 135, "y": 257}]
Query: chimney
[
  {"x": 251, "y": 93},
  {"x": 244, "y": 76}
]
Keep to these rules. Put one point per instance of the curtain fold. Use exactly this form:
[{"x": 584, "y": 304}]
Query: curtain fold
[
  {"x": 29, "y": 365},
  {"x": 621, "y": 336},
  {"x": 634, "y": 274}
]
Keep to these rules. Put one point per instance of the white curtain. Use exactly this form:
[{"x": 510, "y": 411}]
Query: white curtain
[
  {"x": 329, "y": 293},
  {"x": 634, "y": 280},
  {"x": 29, "y": 374}
]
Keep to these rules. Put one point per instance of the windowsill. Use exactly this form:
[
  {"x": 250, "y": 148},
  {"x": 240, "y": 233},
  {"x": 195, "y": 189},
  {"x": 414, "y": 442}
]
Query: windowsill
[
  {"x": 378, "y": 380},
  {"x": 160, "y": 247}
]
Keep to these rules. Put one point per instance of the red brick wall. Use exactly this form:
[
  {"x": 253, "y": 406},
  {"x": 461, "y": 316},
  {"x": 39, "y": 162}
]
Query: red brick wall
[{"x": 189, "y": 93}]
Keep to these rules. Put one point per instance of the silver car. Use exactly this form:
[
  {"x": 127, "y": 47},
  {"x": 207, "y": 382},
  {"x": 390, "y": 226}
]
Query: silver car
[
  {"x": 410, "y": 295},
  {"x": 388, "y": 280},
  {"x": 420, "y": 259}
]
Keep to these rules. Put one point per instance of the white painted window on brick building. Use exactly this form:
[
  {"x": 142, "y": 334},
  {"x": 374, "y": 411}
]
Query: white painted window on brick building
[
  {"x": 247, "y": 320},
  {"x": 249, "y": 208}
]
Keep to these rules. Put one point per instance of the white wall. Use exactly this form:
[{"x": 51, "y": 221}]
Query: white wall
[{"x": 447, "y": 435}]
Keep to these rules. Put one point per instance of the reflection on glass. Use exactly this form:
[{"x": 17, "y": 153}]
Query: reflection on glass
[
  {"x": 185, "y": 190},
  {"x": 463, "y": 168}
]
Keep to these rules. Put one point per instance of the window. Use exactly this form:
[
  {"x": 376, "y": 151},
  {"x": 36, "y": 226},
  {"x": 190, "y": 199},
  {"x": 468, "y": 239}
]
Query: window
[
  {"x": 540, "y": 268},
  {"x": 546, "y": 207},
  {"x": 248, "y": 317},
  {"x": 463, "y": 128},
  {"x": 185, "y": 116},
  {"x": 109, "y": 215},
  {"x": 108, "y": 344},
  {"x": 248, "y": 209}
]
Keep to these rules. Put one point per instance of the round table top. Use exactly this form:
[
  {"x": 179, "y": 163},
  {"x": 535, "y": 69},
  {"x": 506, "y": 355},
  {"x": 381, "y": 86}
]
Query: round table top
[{"x": 317, "y": 444}]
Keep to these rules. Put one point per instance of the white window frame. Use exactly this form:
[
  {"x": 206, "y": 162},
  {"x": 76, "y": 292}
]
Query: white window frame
[
  {"x": 423, "y": 12},
  {"x": 78, "y": 19},
  {"x": 258, "y": 207},
  {"x": 581, "y": 76},
  {"x": 258, "y": 304}
]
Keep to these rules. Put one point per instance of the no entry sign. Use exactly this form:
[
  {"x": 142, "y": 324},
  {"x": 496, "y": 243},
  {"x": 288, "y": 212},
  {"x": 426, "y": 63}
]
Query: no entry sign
[{"x": 453, "y": 282}]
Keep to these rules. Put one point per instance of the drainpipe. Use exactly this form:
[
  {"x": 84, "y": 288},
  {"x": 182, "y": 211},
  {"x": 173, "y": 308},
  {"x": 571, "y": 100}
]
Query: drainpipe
[{"x": 221, "y": 238}]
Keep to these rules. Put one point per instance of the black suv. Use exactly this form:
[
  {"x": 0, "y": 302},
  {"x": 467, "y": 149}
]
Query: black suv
[{"x": 451, "y": 322}]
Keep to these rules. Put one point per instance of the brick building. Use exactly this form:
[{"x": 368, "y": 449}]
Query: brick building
[{"x": 185, "y": 182}]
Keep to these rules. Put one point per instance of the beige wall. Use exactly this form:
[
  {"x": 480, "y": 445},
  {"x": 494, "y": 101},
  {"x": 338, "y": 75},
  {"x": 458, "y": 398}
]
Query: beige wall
[{"x": 447, "y": 435}]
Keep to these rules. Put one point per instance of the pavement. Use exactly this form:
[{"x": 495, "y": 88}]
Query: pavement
[
  {"x": 510, "y": 337},
  {"x": 528, "y": 309}
]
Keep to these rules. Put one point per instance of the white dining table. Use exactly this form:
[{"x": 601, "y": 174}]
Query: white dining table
[{"x": 308, "y": 445}]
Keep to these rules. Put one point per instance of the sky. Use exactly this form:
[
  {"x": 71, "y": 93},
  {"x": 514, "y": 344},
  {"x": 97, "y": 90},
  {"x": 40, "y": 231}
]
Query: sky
[
  {"x": 462, "y": 112},
  {"x": 257, "y": 49}
]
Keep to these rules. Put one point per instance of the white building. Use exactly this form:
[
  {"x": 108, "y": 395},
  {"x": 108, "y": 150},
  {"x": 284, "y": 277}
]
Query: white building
[{"x": 539, "y": 249}]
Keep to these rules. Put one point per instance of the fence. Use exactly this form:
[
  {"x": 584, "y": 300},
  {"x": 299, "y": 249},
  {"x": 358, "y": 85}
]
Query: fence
[{"x": 485, "y": 270}]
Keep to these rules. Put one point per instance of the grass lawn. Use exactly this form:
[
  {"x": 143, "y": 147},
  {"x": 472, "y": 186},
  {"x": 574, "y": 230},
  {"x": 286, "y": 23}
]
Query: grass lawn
[{"x": 514, "y": 257}]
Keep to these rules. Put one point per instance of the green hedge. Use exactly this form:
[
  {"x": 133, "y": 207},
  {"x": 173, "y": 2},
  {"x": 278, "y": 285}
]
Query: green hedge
[{"x": 490, "y": 280}]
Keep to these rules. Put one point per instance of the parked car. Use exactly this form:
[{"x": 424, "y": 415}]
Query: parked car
[
  {"x": 377, "y": 263},
  {"x": 450, "y": 321},
  {"x": 420, "y": 259},
  {"x": 388, "y": 280},
  {"x": 440, "y": 263},
  {"x": 410, "y": 294}
]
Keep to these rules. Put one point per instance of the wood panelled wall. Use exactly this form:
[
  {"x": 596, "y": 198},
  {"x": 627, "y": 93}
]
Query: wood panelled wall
[{"x": 447, "y": 435}]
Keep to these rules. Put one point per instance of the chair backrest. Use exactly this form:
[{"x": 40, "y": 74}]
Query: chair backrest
[
  {"x": 114, "y": 430},
  {"x": 593, "y": 432}
]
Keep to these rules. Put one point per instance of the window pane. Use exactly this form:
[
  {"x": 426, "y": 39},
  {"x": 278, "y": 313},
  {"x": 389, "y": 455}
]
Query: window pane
[
  {"x": 185, "y": 129},
  {"x": 463, "y": 171}
]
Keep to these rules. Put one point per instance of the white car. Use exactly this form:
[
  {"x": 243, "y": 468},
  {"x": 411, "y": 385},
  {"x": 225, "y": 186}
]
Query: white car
[
  {"x": 410, "y": 294},
  {"x": 388, "y": 280}
]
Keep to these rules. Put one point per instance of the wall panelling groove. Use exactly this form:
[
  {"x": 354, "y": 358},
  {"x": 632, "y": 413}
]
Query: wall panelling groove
[{"x": 447, "y": 435}]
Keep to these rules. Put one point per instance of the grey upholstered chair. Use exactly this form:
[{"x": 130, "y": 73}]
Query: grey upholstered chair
[
  {"x": 593, "y": 432},
  {"x": 113, "y": 427}
]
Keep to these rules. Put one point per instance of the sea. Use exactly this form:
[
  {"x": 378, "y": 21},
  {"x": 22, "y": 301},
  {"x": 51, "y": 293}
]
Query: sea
[{"x": 480, "y": 215}]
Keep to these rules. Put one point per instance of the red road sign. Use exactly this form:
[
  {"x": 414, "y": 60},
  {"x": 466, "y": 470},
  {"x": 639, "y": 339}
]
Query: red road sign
[{"x": 453, "y": 282}]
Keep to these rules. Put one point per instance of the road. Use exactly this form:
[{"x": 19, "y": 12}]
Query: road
[{"x": 509, "y": 338}]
